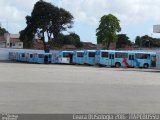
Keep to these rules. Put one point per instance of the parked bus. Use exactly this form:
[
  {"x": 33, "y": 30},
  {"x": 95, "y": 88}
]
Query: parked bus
[
  {"x": 12, "y": 55},
  {"x": 102, "y": 57},
  {"x": 89, "y": 57},
  {"x": 55, "y": 57},
  {"x": 143, "y": 59},
  {"x": 132, "y": 59},
  {"x": 65, "y": 57},
  {"x": 21, "y": 56},
  {"x": 42, "y": 58},
  {"x": 78, "y": 57},
  {"x": 120, "y": 59},
  {"x": 124, "y": 58},
  {"x": 29, "y": 57}
]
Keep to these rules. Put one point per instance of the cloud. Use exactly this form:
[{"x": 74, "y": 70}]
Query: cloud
[
  {"x": 27, "y": 4},
  {"x": 9, "y": 12},
  {"x": 13, "y": 12},
  {"x": 133, "y": 14},
  {"x": 128, "y": 11}
]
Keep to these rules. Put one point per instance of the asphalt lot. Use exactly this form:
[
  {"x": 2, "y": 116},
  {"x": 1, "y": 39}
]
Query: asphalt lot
[{"x": 33, "y": 88}]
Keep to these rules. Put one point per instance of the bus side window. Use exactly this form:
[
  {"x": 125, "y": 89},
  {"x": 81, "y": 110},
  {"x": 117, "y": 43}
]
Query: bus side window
[
  {"x": 31, "y": 55},
  {"x": 104, "y": 54},
  {"x": 40, "y": 56},
  {"x": 91, "y": 54},
  {"x": 23, "y": 55}
]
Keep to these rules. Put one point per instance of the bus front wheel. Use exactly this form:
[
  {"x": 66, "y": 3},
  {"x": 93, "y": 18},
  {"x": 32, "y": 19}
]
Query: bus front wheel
[{"x": 146, "y": 66}]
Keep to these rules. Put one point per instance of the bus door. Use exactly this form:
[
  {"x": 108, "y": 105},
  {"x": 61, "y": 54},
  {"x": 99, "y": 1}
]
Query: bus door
[
  {"x": 153, "y": 61},
  {"x": 131, "y": 60},
  {"x": 71, "y": 57},
  {"x": 46, "y": 59},
  {"x": 111, "y": 59}
]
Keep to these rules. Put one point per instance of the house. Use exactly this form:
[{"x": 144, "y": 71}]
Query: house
[
  {"x": 69, "y": 47},
  {"x": 89, "y": 45},
  {"x": 38, "y": 45},
  {"x": 11, "y": 41},
  {"x": 2, "y": 42}
]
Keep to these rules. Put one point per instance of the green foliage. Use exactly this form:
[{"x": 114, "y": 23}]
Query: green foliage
[
  {"x": 123, "y": 40},
  {"x": 147, "y": 41},
  {"x": 138, "y": 40},
  {"x": 27, "y": 36},
  {"x": 2, "y": 31},
  {"x": 71, "y": 39},
  {"x": 46, "y": 18},
  {"x": 107, "y": 30}
]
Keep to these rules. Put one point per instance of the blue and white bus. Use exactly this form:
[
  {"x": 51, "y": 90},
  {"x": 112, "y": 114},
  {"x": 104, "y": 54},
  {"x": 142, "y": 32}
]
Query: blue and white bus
[
  {"x": 120, "y": 59},
  {"x": 65, "y": 57},
  {"x": 21, "y": 56},
  {"x": 12, "y": 55},
  {"x": 29, "y": 57},
  {"x": 132, "y": 59},
  {"x": 102, "y": 57},
  {"x": 142, "y": 59},
  {"x": 42, "y": 58},
  {"x": 89, "y": 57},
  {"x": 125, "y": 58},
  {"x": 55, "y": 56},
  {"x": 78, "y": 57}
]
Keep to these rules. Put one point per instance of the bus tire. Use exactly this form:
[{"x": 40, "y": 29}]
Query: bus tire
[
  {"x": 146, "y": 66},
  {"x": 117, "y": 65}
]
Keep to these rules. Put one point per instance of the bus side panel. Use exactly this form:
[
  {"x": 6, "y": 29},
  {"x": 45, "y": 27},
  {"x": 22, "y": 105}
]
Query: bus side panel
[{"x": 55, "y": 56}]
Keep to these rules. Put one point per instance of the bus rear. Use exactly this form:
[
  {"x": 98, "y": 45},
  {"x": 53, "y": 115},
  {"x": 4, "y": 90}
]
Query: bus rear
[
  {"x": 89, "y": 57},
  {"x": 66, "y": 57},
  {"x": 101, "y": 57},
  {"x": 78, "y": 57},
  {"x": 145, "y": 59}
]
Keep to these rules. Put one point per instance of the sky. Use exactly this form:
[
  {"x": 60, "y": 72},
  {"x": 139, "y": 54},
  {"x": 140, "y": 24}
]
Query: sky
[{"x": 137, "y": 17}]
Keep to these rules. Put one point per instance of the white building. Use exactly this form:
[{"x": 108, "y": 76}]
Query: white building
[{"x": 10, "y": 41}]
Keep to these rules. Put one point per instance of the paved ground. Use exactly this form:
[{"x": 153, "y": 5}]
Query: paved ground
[{"x": 29, "y": 88}]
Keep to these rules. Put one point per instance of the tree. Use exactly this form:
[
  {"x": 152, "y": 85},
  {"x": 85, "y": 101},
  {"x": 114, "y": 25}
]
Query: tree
[
  {"x": 47, "y": 19},
  {"x": 107, "y": 30},
  {"x": 27, "y": 37},
  {"x": 2, "y": 31},
  {"x": 145, "y": 41},
  {"x": 72, "y": 39},
  {"x": 123, "y": 40},
  {"x": 138, "y": 40}
]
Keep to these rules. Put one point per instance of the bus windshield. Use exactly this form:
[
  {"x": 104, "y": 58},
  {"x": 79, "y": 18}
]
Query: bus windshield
[
  {"x": 80, "y": 54},
  {"x": 65, "y": 54}
]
